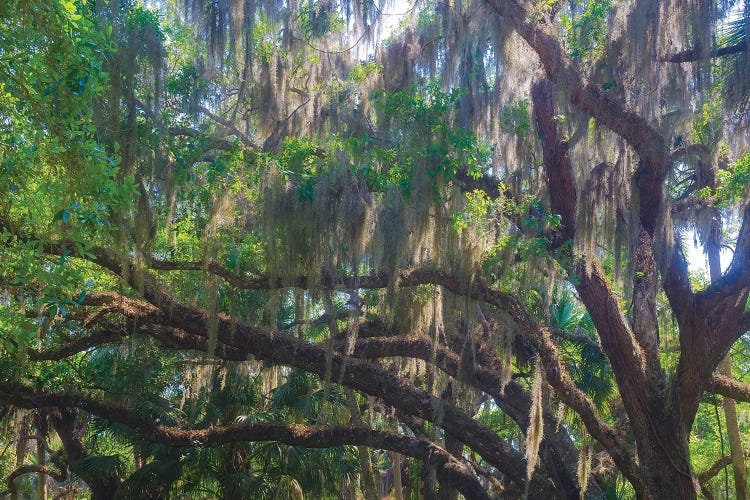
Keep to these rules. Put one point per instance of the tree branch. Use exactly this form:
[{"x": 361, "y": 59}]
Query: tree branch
[
  {"x": 705, "y": 476},
  {"x": 194, "y": 134},
  {"x": 191, "y": 320},
  {"x": 737, "y": 277},
  {"x": 244, "y": 139},
  {"x": 650, "y": 146},
  {"x": 714, "y": 469},
  {"x": 490, "y": 381},
  {"x": 693, "y": 55},
  {"x": 634, "y": 359},
  {"x": 450, "y": 468},
  {"x": 555, "y": 151},
  {"x": 513, "y": 400},
  {"x": 691, "y": 150},
  {"x": 646, "y": 141},
  {"x": 731, "y": 388},
  {"x": 58, "y": 476},
  {"x": 172, "y": 338},
  {"x": 278, "y": 347},
  {"x": 78, "y": 344}
]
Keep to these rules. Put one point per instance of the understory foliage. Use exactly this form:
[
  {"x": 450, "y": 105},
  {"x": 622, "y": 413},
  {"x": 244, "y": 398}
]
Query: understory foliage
[{"x": 344, "y": 249}]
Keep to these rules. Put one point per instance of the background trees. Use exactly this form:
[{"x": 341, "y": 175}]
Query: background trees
[{"x": 278, "y": 250}]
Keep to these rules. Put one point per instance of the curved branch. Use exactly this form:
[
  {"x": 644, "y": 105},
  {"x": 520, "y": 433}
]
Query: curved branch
[
  {"x": 647, "y": 142},
  {"x": 489, "y": 381},
  {"x": 644, "y": 138},
  {"x": 512, "y": 399},
  {"x": 633, "y": 353},
  {"x": 172, "y": 338},
  {"x": 692, "y": 150},
  {"x": 555, "y": 151},
  {"x": 731, "y": 388},
  {"x": 705, "y": 476},
  {"x": 77, "y": 344},
  {"x": 244, "y": 139},
  {"x": 714, "y": 469},
  {"x": 540, "y": 337},
  {"x": 451, "y": 469},
  {"x": 271, "y": 346},
  {"x": 58, "y": 476},
  {"x": 280, "y": 348},
  {"x": 625, "y": 349}
]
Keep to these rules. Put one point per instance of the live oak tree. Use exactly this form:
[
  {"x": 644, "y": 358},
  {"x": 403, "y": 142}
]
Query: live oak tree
[{"x": 281, "y": 249}]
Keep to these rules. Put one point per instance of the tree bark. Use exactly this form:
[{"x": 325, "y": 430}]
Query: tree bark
[
  {"x": 737, "y": 454},
  {"x": 662, "y": 440},
  {"x": 370, "y": 488},
  {"x": 398, "y": 491},
  {"x": 656, "y": 421},
  {"x": 41, "y": 478},
  {"x": 64, "y": 421},
  {"x": 706, "y": 177},
  {"x": 20, "y": 456},
  {"x": 447, "y": 466},
  {"x": 278, "y": 347},
  {"x": 739, "y": 468}
]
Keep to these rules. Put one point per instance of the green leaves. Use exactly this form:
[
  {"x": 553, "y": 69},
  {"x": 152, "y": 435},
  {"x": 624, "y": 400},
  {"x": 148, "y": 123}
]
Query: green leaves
[
  {"x": 588, "y": 365},
  {"x": 731, "y": 184},
  {"x": 363, "y": 71},
  {"x": 516, "y": 118},
  {"x": 421, "y": 139},
  {"x": 71, "y": 9},
  {"x": 421, "y": 126},
  {"x": 60, "y": 177},
  {"x": 476, "y": 212},
  {"x": 100, "y": 466},
  {"x": 300, "y": 160},
  {"x": 708, "y": 122},
  {"x": 586, "y": 28}
]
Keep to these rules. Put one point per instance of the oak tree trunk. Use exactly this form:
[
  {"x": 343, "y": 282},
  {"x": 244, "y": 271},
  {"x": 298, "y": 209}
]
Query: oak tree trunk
[{"x": 664, "y": 453}]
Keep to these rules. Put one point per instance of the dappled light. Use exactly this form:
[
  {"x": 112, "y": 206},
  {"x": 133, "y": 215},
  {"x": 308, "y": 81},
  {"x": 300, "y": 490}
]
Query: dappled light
[{"x": 374, "y": 249}]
